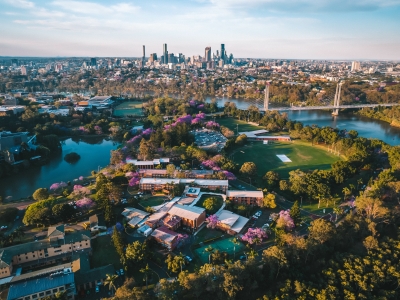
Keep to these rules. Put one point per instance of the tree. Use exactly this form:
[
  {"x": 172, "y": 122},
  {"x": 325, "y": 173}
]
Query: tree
[
  {"x": 170, "y": 170},
  {"x": 248, "y": 169},
  {"x": 218, "y": 257},
  {"x": 118, "y": 243},
  {"x": 321, "y": 231},
  {"x": 63, "y": 211},
  {"x": 175, "y": 263},
  {"x": 254, "y": 236},
  {"x": 210, "y": 204},
  {"x": 137, "y": 252},
  {"x": 168, "y": 289},
  {"x": 269, "y": 201},
  {"x": 41, "y": 194},
  {"x": 110, "y": 281},
  {"x": 295, "y": 213},
  {"x": 285, "y": 221},
  {"x": 271, "y": 177},
  {"x": 212, "y": 221},
  {"x": 9, "y": 214},
  {"x": 275, "y": 256},
  {"x": 146, "y": 271},
  {"x": 371, "y": 208}
]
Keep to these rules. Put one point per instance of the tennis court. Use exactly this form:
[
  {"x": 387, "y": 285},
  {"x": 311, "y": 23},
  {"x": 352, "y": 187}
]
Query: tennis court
[
  {"x": 225, "y": 245},
  {"x": 284, "y": 158}
]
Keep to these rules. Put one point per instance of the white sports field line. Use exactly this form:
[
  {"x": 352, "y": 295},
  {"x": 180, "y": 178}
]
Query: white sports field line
[{"x": 284, "y": 158}]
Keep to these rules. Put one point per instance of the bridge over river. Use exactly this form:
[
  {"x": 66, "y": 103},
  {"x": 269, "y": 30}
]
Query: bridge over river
[{"x": 335, "y": 107}]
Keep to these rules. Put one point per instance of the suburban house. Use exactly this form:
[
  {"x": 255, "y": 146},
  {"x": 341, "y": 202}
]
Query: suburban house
[
  {"x": 230, "y": 222},
  {"x": 134, "y": 216},
  {"x": 245, "y": 197},
  {"x": 57, "y": 245},
  {"x": 166, "y": 237},
  {"x": 259, "y": 135},
  {"x": 97, "y": 223},
  {"x": 43, "y": 287},
  {"x": 192, "y": 217},
  {"x": 156, "y": 184}
]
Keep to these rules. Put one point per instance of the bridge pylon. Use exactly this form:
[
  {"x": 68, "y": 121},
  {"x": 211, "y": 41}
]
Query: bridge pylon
[
  {"x": 266, "y": 96},
  {"x": 336, "y": 102}
]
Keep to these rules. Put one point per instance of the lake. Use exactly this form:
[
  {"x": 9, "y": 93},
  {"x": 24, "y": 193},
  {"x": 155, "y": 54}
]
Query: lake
[{"x": 94, "y": 152}]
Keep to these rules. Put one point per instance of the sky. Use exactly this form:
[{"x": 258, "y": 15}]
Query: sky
[{"x": 292, "y": 29}]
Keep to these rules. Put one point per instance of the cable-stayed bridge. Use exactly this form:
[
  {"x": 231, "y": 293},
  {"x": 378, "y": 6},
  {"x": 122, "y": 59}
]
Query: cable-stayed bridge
[{"x": 265, "y": 106}]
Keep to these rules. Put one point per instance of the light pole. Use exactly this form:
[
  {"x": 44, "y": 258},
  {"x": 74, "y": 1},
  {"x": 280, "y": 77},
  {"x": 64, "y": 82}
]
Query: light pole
[{"x": 301, "y": 201}]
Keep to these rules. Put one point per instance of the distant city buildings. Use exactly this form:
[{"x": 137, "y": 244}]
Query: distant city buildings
[{"x": 355, "y": 66}]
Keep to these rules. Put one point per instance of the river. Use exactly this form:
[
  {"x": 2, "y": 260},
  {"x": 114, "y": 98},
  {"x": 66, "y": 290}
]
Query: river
[
  {"x": 94, "y": 152},
  {"x": 365, "y": 127}
]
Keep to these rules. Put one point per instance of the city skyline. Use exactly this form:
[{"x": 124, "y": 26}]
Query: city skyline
[{"x": 360, "y": 30}]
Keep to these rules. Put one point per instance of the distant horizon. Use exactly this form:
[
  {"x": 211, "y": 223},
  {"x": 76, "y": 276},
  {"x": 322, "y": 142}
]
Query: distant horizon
[
  {"x": 261, "y": 58},
  {"x": 307, "y": 29}
]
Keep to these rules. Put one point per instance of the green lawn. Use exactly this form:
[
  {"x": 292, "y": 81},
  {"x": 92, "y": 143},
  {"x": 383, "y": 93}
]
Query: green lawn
[
  {"x": 204, "y": 197},
  {"x": 206, "y": 234},
  {"x": 104, "y": 253},
  {"x": 303, "y": 156},
  {"x": 128, "y": 108},
  {"x": 153, "y": 201},
  {"x": 232, "y": 123}
]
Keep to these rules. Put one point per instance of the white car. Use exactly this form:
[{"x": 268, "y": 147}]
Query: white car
[
  {"x": 258, "y": 214},
  {"x": 188, "y": 258}
]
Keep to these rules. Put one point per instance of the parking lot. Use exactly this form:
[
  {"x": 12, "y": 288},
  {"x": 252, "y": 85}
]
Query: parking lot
[{"x": 209, "y": 139}]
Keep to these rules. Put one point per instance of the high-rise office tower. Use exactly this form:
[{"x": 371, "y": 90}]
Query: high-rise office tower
[
  {"x": 207, "y": 56},
  {"x": 153, "y": 57},
  {"x": 165, "y": 54},
  {"x": 93, "y": 62},
  {"x": 355, "y": 66},
  {"x": 223, "y": 52}
]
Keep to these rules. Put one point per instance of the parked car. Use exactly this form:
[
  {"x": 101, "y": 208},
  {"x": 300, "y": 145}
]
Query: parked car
[
  {"x": 117, "y": 272},
  {"x": 259, "y": 213},
  {"x": 97, "y": 289},
  {"x": 3, "y": 227},
  {"x": 188, "y": 258},
  {"x": 243, "y": 257},
  {"x": 121, "y": 271}
]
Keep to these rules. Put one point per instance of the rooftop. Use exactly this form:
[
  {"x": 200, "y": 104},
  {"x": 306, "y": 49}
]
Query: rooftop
[
  {"x": 34, "y": 286},
  {"x": 164, "y": 234},
  {"x": 186, "y": 212},
  {"x": 255, "y": 194}
]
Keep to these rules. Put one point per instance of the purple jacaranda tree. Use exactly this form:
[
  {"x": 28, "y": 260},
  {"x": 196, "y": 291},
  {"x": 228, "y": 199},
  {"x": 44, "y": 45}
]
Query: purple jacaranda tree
[
  {"x": 212, "y": 221},
  {"x": 147, "y": 132},
  {"x": 229, "y": 175},
  {"x": 80, "y": 178},
  {"x": 196, "y": 121},
  {"x": 210, "y": 164},
  {"x": 201, "y": 106},
  {"x": 85, "y": 203},
  {"x": 58, "y": 185},
  {"x": 134, "y": 181},
  {"x": 192, "y": 102},
  {"x": 201, "y": 115},
  {"x": 184, "y": 119},
  {"x": 182, "y": 239},
  {"x": 98, "y": 129},
  {"x": 285, "y": 221},
  {"x": 80, "y": 190},
  {"x": 254, "y": 236},
  {"x": 212, "y": 124}
]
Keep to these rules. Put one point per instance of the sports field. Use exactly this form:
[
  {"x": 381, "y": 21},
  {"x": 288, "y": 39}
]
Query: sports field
[
  {"x": 233, "y": 124},
  {"x": 128, "y": 108},
  {"x": 303, "y": 157}
]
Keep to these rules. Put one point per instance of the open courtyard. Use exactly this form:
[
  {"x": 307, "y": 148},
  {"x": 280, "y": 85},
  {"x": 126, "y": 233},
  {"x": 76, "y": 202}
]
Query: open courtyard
[{"x": 302, "y": 156}]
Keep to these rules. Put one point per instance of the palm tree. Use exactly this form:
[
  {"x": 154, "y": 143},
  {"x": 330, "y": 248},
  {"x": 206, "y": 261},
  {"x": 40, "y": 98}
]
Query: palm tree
[
  {"x": 209, "y": 250},
  {"x": 110, "y": 281},
  {"x": 235, "y": 242},
  {"x": 146, "y": 271},
  {"x": 337, "y": 211},
  {"x": 359, "y": 182},
  {"x": 180, "y": 259},
  {"x": 252, "y": 254}
]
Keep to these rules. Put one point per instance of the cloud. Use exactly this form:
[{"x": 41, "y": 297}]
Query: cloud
[
  {"x": 83, "y": 7},
  {"x": 306, "y": 5},
  {"x": 20, "y": 3}
]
